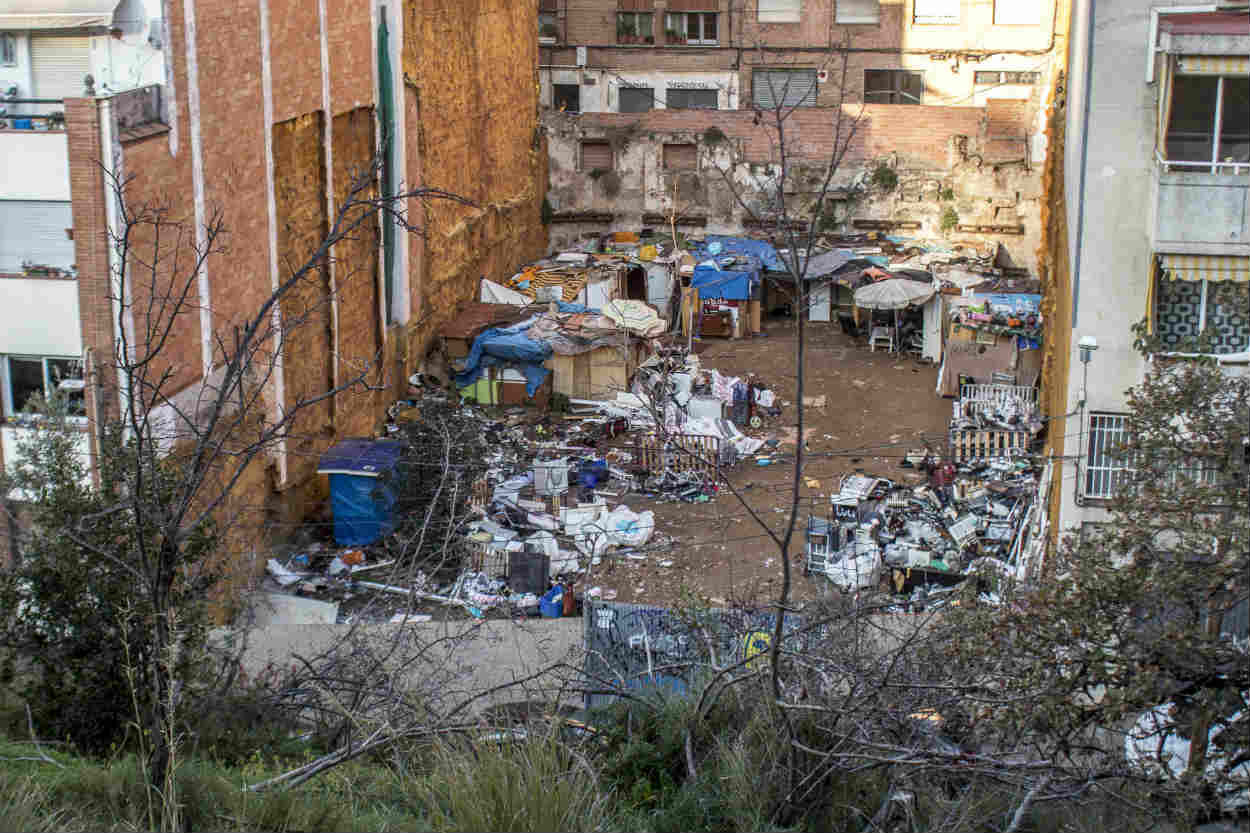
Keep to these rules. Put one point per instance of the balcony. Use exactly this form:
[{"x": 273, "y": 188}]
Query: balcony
[{"x": 1202, "y": 208}]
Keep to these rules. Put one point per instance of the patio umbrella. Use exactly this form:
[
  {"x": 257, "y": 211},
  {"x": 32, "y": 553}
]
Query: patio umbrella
[{"x": 894, "y": 293}]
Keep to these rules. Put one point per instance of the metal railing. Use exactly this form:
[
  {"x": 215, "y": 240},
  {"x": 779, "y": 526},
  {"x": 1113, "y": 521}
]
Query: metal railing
[
  {"x": 1235, "y": 168},
  {"x": 49, "y": 119}
]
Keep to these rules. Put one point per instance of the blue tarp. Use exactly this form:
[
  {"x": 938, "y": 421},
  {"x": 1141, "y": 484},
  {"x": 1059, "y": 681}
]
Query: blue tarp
[
  {"x": 716, "y": 245},
  {"x": 507, "y": 346},
  {"x": 363, "y": 501},
  {"x": 732, "y": 285}
]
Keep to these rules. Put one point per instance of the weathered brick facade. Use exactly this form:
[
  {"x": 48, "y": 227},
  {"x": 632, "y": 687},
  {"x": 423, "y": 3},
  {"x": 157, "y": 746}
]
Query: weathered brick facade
[{"x": 270, "y": 116}]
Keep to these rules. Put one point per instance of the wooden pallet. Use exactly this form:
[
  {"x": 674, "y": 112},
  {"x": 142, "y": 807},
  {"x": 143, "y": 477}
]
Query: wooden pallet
[
  {"x": 983, "y": 443},
  {"x": 681, "y": 453}
]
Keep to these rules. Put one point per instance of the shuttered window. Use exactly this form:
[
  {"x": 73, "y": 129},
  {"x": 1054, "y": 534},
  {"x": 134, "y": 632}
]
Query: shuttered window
[
  {"x": 858, "y": 11},
  {"x": 58, "y": 65},
  {"x": 785, "y": 87},
  {"x": 636, "y": 99},
  {"x": 681, "y": 157},
  {"x": 596, "y": 156},
  {"x": 780, "y": 11},
  {"x": 34, "y": 231},
  {"x": 690, "y": 99}
]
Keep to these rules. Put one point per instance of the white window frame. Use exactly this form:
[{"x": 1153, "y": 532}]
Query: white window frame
[
  {"x": 6, "y": 389},
  {"x": 669, "y": 20},
  {"x": 1008, "y": 12},
  {"x": 934, "y": 17},
  {"x": 8, "y": 49},
  {"x": 1103, "y": 474},
  {"x": 779, "y": 11},
  {"x": 1214, "y": 166}
]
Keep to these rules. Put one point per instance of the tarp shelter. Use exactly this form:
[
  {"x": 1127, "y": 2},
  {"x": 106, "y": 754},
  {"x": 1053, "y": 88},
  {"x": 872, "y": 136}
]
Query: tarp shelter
[
  {"x": 717, "y": 245},
  {"x": 507, "y": 346},
  {"x": 363, "y": 503},
  {"x": 734, "y": 284}
]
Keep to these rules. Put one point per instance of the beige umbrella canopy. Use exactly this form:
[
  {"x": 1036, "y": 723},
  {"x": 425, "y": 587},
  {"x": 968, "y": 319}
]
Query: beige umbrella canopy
[{"x": 894, "y": 293}]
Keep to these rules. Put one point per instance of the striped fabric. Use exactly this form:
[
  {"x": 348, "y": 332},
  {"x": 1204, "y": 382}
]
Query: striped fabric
[
  {"x": 572, "y": 285},
  {"x": 1213, "y": 64},
  {"x": 1206, "y": 267}
]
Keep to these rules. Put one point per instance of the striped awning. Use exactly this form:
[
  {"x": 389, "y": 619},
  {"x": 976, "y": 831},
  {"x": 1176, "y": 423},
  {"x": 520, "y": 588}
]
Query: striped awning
[
  {"x": 1206, "y": 267},
  {"x": 1213, "y": 64}
]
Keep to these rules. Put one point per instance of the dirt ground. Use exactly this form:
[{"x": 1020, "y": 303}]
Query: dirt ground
[{"x": 877, "y": 406}]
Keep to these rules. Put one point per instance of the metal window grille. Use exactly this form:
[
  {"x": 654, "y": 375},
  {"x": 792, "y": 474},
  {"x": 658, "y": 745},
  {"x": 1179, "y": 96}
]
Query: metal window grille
[{"x": 1106, "y": 469}]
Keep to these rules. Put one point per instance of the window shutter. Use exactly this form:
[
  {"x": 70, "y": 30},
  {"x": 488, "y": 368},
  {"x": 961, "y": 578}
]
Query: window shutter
[
  {"x": 35, "y": 231},
  {"x": 58, "y": 65},
  {"x": 780, "y": 11},
  {"x": 858, "y": 11},
  {"x": 789, "y": 88},
  {"x": 635, "y": 99},
  {"x": 681, "y": 157},
  {"x": 596, "y": 156}
]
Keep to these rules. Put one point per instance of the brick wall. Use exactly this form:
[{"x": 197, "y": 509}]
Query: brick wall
[
  {"x": 917, "y": 134},
  {"x": 91, "y": 248}
]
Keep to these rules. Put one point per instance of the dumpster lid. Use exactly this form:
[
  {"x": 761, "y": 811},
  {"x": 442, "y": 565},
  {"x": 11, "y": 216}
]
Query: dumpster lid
[{"x": 366, "y": 458}]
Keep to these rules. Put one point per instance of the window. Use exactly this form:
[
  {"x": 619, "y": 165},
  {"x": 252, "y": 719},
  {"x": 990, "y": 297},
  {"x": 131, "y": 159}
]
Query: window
[
  {"x": 1208, "y": 122},
  {"x": 1106, "y": 470},
  {"x": 634, "y": 27},
  {"x": 1189, "y": 307},
  {"x": 548, "y": 26},
  {"x": 779, "y": 11},
  {"x": 1017, "y": 12},
  {"x": 8, "y": 49},
  {"x": 858, "y": 11},
  {"x": 566, "y": 97},
  {"x": 25, "y": 376},
  {"x": 892, "y": 86},
  {"x": 636, "y": 99},
  {"x": 596, "y": 156},
  {"x": 936, "y": 12},
  {"x": 996, "y": 77},
  {"x": 694, "y": 28},
  {"x": 690, "y": 99},
  {"x": 681, "y": 157},
  {"x": 771, "y": 88}
]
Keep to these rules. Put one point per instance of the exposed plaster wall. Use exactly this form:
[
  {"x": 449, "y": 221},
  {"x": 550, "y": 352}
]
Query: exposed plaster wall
[{"x": 976, "y": 161}]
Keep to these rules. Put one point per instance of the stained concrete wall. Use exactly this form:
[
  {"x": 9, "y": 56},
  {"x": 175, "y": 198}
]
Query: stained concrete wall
[{"x": 933, "y": 150}]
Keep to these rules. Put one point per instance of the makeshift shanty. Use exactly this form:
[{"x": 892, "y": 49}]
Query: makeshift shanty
[
  {"x": 894, "y": 294},
  {"x": 991, "y": 338},
  {"x": 362, "y": 502}
]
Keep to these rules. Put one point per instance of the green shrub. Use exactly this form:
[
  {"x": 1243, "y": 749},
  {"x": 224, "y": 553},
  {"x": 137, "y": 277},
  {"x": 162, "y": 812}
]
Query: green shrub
[
  {"x": 949, "y": 219},
  {"x": 534, "y": 785},
  {"x": 885, "y": 178}
]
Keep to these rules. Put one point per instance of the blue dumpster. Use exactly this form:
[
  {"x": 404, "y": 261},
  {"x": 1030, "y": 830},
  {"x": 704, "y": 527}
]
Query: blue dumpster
[{"x": 363, "y": 504}]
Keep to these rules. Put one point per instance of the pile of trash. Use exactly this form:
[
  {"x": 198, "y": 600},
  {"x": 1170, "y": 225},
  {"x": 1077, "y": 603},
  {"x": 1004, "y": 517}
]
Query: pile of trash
[{"x": 966, "y": 519}]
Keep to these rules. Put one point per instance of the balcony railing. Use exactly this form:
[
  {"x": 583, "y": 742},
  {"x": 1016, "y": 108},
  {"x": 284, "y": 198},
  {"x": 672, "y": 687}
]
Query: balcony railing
[
  {"x": 48, "y": 114},
  {"x": 1202, "y": 167}
]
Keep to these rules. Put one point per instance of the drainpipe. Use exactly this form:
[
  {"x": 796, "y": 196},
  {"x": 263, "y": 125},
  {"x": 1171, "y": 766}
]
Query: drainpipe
[{"x": 1080, "y": 210}]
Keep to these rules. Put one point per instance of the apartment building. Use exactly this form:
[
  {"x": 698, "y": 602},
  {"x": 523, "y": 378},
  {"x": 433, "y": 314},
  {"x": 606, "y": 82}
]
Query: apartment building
[
  {"x": 919, "y": 73},
  {"x": 52, "y": 51},
  {"x": 1157, "y": 183}
]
